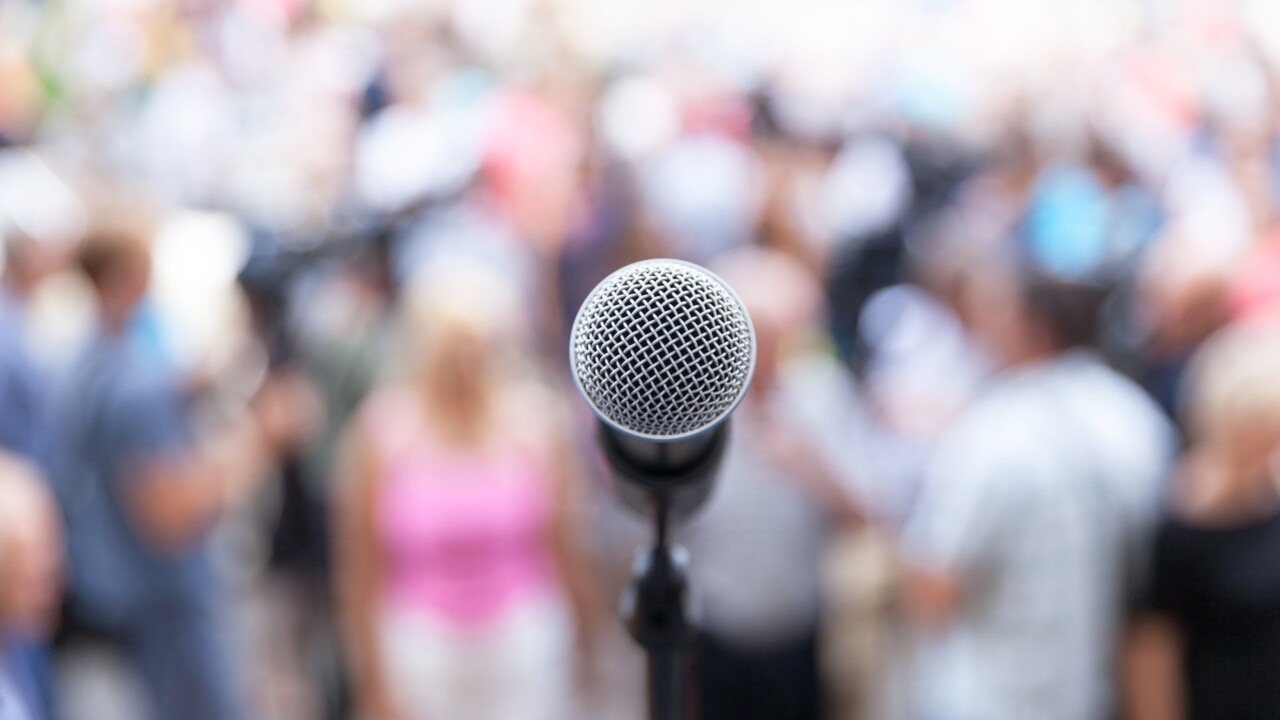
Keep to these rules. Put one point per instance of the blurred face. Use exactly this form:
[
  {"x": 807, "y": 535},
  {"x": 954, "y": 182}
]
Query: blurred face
[
  {"x": 31, "y": 571},
  {"x": 29, "y": 262},
  {"x": 135, "y": 279},
  {"x": 992, "y": 310},
  {"x": 125, "y": 284},
  {"x": 460, "y": 359}
]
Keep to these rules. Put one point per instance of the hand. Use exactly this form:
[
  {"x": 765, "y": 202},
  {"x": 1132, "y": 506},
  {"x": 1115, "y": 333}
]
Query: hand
[
  {"x": 804, "y": 466},
  {"x": 789, "y": 449},
  {"x": 289, "y": 410},
  {"x": 285, "y": 413}
]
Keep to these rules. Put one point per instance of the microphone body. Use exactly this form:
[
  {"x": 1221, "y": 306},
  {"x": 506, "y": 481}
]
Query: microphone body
[{"x": 677, "y": 474}]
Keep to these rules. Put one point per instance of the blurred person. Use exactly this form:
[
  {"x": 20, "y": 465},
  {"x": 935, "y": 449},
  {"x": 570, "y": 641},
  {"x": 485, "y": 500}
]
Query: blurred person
[
  {"x": 1134, "y": 213},
  {"x": 38, "y": 214},
  {"x": 758, "y": 546},
  {"x": 1182, "y": 297},
  {"x": 30, "y": 583},
  {"x": 142, "y": 493},
  {"x": 873, "y": 232},
  {"x": 533, "y": 159},
  {"x": 21, "y": 390},
  {"x": 1184, "y": 282},
  {"x": 1208, "y": 642},
  {"x": 1255, "y": 291},
  {"x": 703, "y": 194},
  {"x": 461, "y": 585},
  {"x": 20, "y": 104},
  {"x": 341, "y": 340},
  {"x": 39, "y": 217},
  {"x": 608, "y": 234},
  {"x": 921, "y": 372},
  {"x": 1033, "y": 513},
  {"x": 1088, "y": 210}
]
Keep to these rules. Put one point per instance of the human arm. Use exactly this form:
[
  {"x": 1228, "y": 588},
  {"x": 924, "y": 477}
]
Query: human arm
[
  {"x": 581, "y": 582},
  {"x": 968, "y": 498},
  {"x": 812, "y": 426},
  {"x": 178, "y": 487},
  {"x": 1152, "y": 678},
  {"x": 930, "y": 596},
  {"x": 359, "y": 575},
  {"x": 1153, "y": 686},
  {"x": 810, "y": 469}
]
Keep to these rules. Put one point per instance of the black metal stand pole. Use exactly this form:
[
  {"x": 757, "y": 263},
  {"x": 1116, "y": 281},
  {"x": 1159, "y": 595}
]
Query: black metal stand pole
[
  {"x": 657, "y": 614},
  {"x": 668, "y": 691},
  {"x": 656, "y": 606}
]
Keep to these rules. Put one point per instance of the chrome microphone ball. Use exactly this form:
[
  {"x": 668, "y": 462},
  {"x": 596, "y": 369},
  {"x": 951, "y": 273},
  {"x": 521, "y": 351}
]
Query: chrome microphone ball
[{"x": 662, "y": 350}]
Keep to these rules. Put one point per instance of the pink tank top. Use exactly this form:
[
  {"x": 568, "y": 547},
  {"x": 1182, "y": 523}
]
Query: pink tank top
[{"x": 464, "y": 534}]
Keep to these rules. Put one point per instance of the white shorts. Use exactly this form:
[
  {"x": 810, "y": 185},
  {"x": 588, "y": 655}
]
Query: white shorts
[{"x": 517, "y": 667}]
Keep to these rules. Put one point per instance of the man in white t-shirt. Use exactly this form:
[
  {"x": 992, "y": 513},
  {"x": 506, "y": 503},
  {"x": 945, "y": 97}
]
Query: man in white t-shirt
[
  {"x": 1031, "y": 522},
  {"x": 784, "y": 487}
]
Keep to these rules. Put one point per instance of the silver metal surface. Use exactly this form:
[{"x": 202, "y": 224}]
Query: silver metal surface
[{"x": 662, "y": 349}]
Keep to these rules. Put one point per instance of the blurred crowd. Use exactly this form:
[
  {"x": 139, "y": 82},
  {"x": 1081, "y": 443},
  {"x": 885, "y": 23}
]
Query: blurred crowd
[{"x": 286, "y": 423}]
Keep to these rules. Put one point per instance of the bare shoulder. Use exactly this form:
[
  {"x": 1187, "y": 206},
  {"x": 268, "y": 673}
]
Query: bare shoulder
[
  {"x": 387, "y": 400},
  {"x": 386, "y": 419}
]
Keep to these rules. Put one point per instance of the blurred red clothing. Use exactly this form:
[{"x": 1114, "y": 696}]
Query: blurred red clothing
[{"x": 1256, "y": 291}]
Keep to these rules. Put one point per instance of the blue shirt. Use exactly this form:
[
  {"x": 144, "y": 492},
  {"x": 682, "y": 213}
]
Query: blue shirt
[
  {"x": 119, "y": 407},
  {"x": 23, "y": 676},
  {"x": 21, "y": 425},
  {"x": 116, "y": 409},
  {"x": 20, "y": 393}
]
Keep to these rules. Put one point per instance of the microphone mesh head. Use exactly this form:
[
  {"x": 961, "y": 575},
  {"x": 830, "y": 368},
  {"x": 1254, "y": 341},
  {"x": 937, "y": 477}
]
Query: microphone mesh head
[{"x": 662, "y": 349}]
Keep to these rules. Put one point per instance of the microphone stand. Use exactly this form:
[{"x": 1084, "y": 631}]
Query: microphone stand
[
  {"x": 656, "y": 610},
  {"x": 656, "y": 607}
]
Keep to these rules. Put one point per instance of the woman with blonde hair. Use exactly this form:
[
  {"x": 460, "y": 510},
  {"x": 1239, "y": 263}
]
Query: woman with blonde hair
[
  {"x": 458, "y": 569},
  {"x": 1208, "y": 642}
]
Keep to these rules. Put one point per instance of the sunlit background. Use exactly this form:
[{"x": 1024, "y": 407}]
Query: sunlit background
[{"x": 392, "y": 199}]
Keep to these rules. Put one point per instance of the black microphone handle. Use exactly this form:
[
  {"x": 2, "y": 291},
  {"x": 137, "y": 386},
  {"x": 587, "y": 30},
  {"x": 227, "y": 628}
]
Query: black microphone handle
[
  {"x": 665, "y": 457},
  {"x": 678, "y": 472}
]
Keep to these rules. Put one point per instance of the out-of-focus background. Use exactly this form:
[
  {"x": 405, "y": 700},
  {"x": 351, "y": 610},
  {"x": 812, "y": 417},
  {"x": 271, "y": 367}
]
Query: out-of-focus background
[{"x": 287, "y": 420}]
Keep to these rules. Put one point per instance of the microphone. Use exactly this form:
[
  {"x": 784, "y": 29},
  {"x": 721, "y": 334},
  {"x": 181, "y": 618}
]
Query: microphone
[{"x": 662, "y": 351}]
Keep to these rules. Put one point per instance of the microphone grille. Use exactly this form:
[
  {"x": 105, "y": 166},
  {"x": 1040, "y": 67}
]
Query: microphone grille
[{"x": 662, "y": 349}]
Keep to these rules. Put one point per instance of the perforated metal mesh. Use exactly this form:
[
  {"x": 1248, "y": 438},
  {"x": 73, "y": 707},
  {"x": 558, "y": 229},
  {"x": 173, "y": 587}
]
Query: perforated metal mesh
[{"x": 662, "y": 349}]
